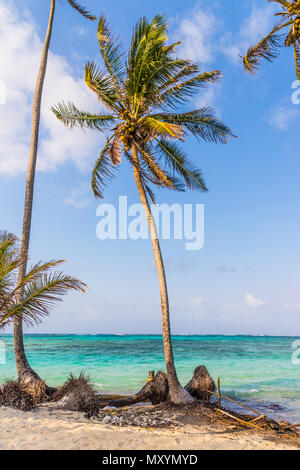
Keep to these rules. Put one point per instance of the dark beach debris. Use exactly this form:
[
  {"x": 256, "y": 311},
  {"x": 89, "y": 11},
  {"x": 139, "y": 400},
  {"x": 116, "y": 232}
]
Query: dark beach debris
[
  {"x": 78, "y": 394},
  {"x": 80, "y": 384},
  {"x": 201, "y": 384},
  {"x": 12, "y": 395}
]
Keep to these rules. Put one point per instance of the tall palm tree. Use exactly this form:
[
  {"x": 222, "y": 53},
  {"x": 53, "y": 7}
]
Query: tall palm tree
[
  {"x": 140, "y": 94},
  {"x": 24, "y": 370},
  {"x": 269, "y": 46},
  {"x": 40, "y": 289}
]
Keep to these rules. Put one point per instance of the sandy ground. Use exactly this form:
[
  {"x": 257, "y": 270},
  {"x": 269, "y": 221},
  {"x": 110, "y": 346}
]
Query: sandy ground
[{"x": 53, "y": 429}]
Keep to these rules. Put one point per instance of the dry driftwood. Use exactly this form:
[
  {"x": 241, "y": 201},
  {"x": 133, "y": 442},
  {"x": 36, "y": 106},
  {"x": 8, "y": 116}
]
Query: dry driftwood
[{"x": 156, "y": 389}]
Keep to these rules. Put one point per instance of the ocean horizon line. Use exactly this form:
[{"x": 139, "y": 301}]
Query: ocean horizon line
[{"x": 158, "y": 334}]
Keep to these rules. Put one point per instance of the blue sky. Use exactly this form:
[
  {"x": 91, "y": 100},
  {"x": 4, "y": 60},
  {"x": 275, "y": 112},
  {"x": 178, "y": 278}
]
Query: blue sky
[{"x": 246, "y": 278}]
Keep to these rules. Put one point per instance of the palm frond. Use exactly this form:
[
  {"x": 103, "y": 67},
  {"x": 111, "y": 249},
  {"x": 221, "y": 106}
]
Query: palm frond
[
  {"x": 34, "y": 274},
  {"x": 103, "y": 171},
  {"x": 158, "y": 173},
  {"x": 202, "y": 123},
  {"x": 266, "y": 49},
  {"x": 71, "y": 117},
  {"x": 147, "y": 38},
  {"x": 182, "y": 90},
  {"x": 102, "y": 85},
  {"x": 284, "y": 3},
  {"x": 38, "y": 290},
  {"x": 112, "y": 53},
  {"x": 40, "y": 296},
  {"x": 178, "y": 161},
  {"x": 162, "y": 73},
  {"x": 297, "y": 59},
  {"x": 9, "y": 262},
  {"x": 81, "y": 10},
  {"x": 7, "y": 243},
  {"x": 13, "y": 288},
  {"x": 163, "y": 128},
  {"x": 146, "y": 53}
]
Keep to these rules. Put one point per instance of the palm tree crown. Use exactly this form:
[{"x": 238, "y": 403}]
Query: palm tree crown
[
  {"x": 140, "y": 94},
  {"x": 269, "y": 46},
  {"x": 40, "y": 288}
]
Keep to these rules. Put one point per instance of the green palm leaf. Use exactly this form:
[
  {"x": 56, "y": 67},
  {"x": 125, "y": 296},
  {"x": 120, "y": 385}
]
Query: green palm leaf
[
  {"x": 101, "y": 84},
  {"x": 41, "y": 295},
  {"x": 202, "y": 123},
  {"x": 266, "y": 49},
  {"x": 162, "y": 177},
  {"x": 178, "y": 161},
  {"x": 182, "y": 90},
  {"x": 39, "y": 290},
  {"x": 71, "y": 117},
  {"x": 112, "y": 53}
]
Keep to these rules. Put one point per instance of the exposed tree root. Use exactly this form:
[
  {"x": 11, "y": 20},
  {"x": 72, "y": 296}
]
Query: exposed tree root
[
  {"x": 157, "y": 389},
  {"x": 78, "y": 394}
]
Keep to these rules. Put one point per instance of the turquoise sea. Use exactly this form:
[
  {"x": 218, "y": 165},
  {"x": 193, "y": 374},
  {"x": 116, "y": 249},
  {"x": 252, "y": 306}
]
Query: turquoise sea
[{"x": 255, "y": 370}]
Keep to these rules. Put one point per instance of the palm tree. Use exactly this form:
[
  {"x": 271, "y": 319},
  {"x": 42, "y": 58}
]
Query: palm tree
[
  {"x": 269, "y": 46},
  {"x": 23, "y": 368},
  {"x": 40, "y": 289},
  {"x": 140, "y": 95}
]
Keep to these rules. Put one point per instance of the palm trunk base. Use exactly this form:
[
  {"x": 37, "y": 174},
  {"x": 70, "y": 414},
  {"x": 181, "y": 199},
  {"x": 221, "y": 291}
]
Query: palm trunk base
[
  {"x": 180, "y": 396},
  {"x": 28, "y": 376},
  {"x": 31, "y": 383}
]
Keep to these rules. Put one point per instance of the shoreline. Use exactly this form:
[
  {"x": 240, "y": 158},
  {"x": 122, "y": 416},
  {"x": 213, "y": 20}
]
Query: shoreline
[{"x": 48, "y": 428}]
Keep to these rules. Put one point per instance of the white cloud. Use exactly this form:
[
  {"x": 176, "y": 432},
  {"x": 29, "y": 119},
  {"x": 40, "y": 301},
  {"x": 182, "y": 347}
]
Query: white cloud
[
  {"x": 20, "y": 52},
  {"x": 253, "y": 28},
  {"x": 282, "y": 116},
  {"x": 253, "y": 302},
  {"x": 197, "y": 32},
  {"x": 79, "y": 198},
  {"x": 205, "y": 38},
  {"x": 198, "y": 301},
  {"x": 204, "y": 35},
  {"x": 289, "y": 306},
  {"x": 208, "y": 97}
]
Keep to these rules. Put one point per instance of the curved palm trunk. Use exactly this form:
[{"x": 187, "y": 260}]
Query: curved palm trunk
[
  {"x": 177, "y": 393},
  {"x": 25, "y": 372}
]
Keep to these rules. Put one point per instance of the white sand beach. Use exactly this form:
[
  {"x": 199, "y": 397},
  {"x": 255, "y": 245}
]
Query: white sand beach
[{"x": 57, "y": 429}]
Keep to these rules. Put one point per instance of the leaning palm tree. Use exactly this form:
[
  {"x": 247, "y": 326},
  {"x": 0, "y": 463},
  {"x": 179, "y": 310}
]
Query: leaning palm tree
[
  {"x": 140, "y": 94},
  {"x": 269, "y": 46},
  {"x": 40, "y": 288},
  {"x": 23, "y": 368}
]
